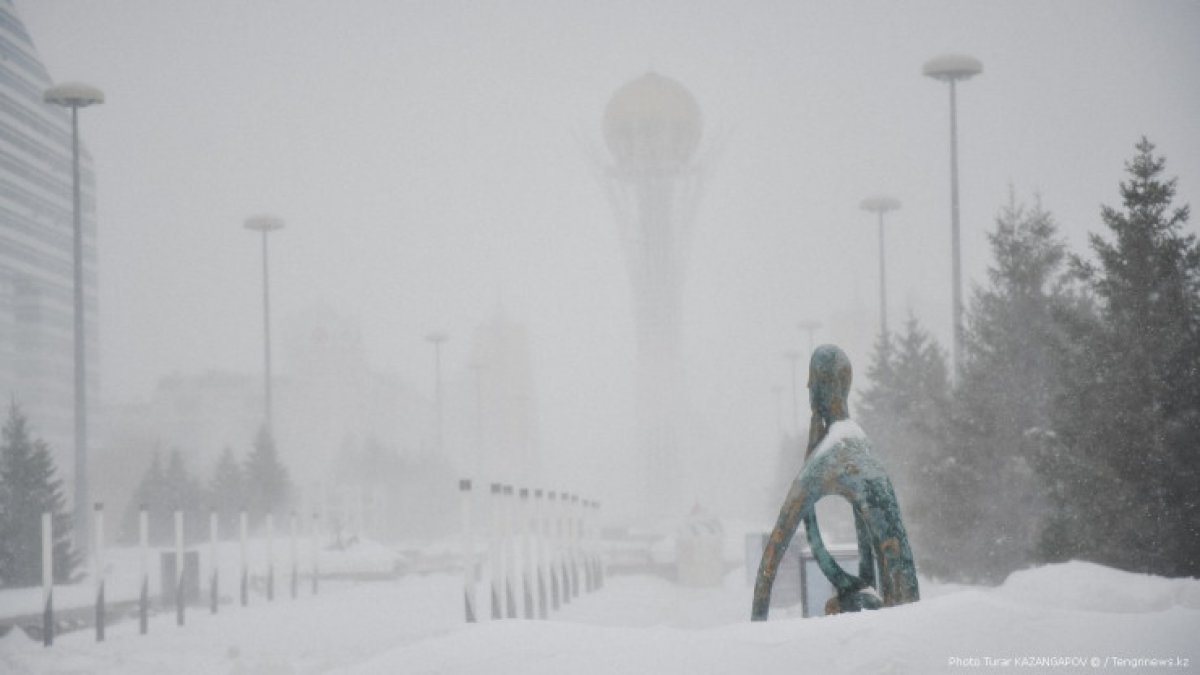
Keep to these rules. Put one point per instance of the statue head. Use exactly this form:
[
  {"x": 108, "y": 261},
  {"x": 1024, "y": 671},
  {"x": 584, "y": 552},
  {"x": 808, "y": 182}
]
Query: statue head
[{"x": 829, "y": 375}]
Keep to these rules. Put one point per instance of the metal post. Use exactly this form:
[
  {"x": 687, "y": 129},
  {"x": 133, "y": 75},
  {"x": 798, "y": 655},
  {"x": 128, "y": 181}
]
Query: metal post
[
  {"x": 882, "y": 281},
  {"x": 809, "y": 327},
  {"x": 496, "y": 561},
  {"x": 510, "y": 566},
  {"x": 552, "y": 550},
  {"x": 314, "y": 542},
  {"x": 585, "y": 545},
  {"x": 75, "y": 96},
  {"x": 270, "y": 557},
  {"x": 573, "y": 542},
  {"x": 468, "y": 554},
  {"x": 81, "y": 465},
  {"x": 794, "y": 356},
  {"x": 179, "y": 618},
  {"x": 295, "y": 559},
  {"x": 47, "y": 579},
  {"x": 267, "y": 339},
  {"x": 144, "y": 548},
  {"x": 589, "y": 546},
  {"x": 599, "y": 549},
  {"x": 954, "y": 232},
  {"x": 778, "y": 391},
  {"x": 539, "y": 532},
  {"x": 437, "y": 338},
  {"x": 523, "y": 531},
  {"x": 265, "y": 224},
  {"x": 245, "y": 583},
  {"x": 98, "y": 569},
  {"x": 564, "y": 543},
  {"x": 214, "y": 567},
  {"x": 951, "y": 68}
]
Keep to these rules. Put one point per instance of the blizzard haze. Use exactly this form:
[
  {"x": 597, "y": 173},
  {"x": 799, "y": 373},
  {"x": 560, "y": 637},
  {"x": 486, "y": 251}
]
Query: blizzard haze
[{"x": 435, "y": 164}]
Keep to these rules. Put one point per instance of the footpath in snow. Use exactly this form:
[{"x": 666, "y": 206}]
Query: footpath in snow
[{"x": 1075, "y": 617}]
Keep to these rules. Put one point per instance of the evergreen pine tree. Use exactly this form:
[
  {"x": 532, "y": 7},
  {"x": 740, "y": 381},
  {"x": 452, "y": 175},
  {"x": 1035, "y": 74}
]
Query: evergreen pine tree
[
  {"x": 184, "y": 493},
  {"x": 151, "y": 492},
  {"x": 227, "y": 492},
  {"x": 266, "y": 479},
  {"x": 28, "y": 488},
  {"x": 904, "y": 413},
  {"x": 1015, "y": 352},
  {"x": 1142, "y": 422}
]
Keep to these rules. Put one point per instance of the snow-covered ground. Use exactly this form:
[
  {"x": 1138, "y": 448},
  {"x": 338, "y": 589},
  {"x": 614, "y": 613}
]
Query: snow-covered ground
[{"x": 1073, "y": 617}]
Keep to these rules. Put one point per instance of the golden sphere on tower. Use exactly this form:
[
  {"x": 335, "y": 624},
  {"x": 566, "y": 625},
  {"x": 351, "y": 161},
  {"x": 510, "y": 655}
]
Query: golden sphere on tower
[{"x": 652, "y": 121}]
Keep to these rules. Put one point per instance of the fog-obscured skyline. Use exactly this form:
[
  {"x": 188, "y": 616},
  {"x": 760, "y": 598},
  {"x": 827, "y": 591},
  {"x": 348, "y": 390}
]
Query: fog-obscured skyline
[{"x": 434, "y": 162}]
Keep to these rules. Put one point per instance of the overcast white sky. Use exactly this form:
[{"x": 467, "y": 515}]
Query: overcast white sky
[{"x": 432, "y": 160}]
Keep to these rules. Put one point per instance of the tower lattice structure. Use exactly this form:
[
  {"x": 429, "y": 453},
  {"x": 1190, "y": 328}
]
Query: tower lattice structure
[{"x": 652, "y": 127}]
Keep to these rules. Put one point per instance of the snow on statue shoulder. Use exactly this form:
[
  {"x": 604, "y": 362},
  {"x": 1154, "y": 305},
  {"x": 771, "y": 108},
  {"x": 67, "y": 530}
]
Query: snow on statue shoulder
[{"x": 839, "y": 462}]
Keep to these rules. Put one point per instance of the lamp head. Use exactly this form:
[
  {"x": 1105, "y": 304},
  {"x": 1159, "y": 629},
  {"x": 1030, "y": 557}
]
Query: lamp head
[
  {"x": 73, "y": 95},
  {"x": 880, "y": 204},
  {"x": 949, "y": 67},
  {"x": 264, "y": 223}
]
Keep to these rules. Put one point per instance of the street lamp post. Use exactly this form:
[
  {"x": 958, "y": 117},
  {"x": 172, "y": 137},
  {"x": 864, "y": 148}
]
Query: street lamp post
[
  {"x": 76, "y": 95},
  {"x": 881, "y": 204},
  {"x": 477, "y": 368},
  {"x": 437, "y": 338},
  {"x": 794, "y": 356},
  {"x": 809, "y": 326},
  {"x": 951, "y": 68},
  {"x": 266, "y": 224},
  {"x": 778, "y": 391}
]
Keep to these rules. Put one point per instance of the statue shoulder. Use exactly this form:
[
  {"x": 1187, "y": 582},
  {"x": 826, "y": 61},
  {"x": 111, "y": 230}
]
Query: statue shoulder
[{"x": 845, "y": 435}]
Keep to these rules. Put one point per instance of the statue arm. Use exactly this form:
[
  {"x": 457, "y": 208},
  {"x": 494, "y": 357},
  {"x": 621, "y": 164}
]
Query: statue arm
[
  {"x": 841, "y": 580},
  {"x": 799, "y": 501}
]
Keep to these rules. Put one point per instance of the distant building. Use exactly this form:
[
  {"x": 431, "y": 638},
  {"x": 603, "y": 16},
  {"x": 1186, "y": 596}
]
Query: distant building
[
  {"x": 36, "y": 257},
  {"x": 495, "y": 435},
  {"x": 331, "y": 399},
  {"x": 328, "y": 401}
]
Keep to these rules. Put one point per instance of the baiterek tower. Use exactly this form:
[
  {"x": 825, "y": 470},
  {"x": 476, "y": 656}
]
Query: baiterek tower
[{"x": 652, "y": 128}]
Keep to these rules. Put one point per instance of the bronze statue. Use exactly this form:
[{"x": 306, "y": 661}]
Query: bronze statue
[{"x": 839, "y": 462}]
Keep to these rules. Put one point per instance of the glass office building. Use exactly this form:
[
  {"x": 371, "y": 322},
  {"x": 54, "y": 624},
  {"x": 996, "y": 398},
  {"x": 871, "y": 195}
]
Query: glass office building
[{"x": 36, "y": 258}]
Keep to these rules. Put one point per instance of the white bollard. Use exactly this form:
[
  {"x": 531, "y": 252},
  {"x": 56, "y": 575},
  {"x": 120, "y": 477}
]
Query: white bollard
[
  {"x": 495, "y": 560},
  {"x": 144, "y": 548},
  {"x": 599, "y": 549},
  {"x": 314, "y": 542},
  {"x": 270, "y": 557},
  {"x": 214, "y": 590},
  {"x": 564, "y": 546},
  {"x": 552, "y": 558},
  {"x": 98, "y": 567},
  {"x": 585, "y": 535},
  {"x": 523, "y": 531},
  {"x": 179, "y": 618},
  {"x": 47, "y": 579},
  {"x": 573, "y": 542},
  {"x": 243, "y": 526},
  {"x": 539, "y": 545},
  {"x": 510, "y": 568},
  {"x": 468, "y": 555},
  {"x": 295, "y": 558}
]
